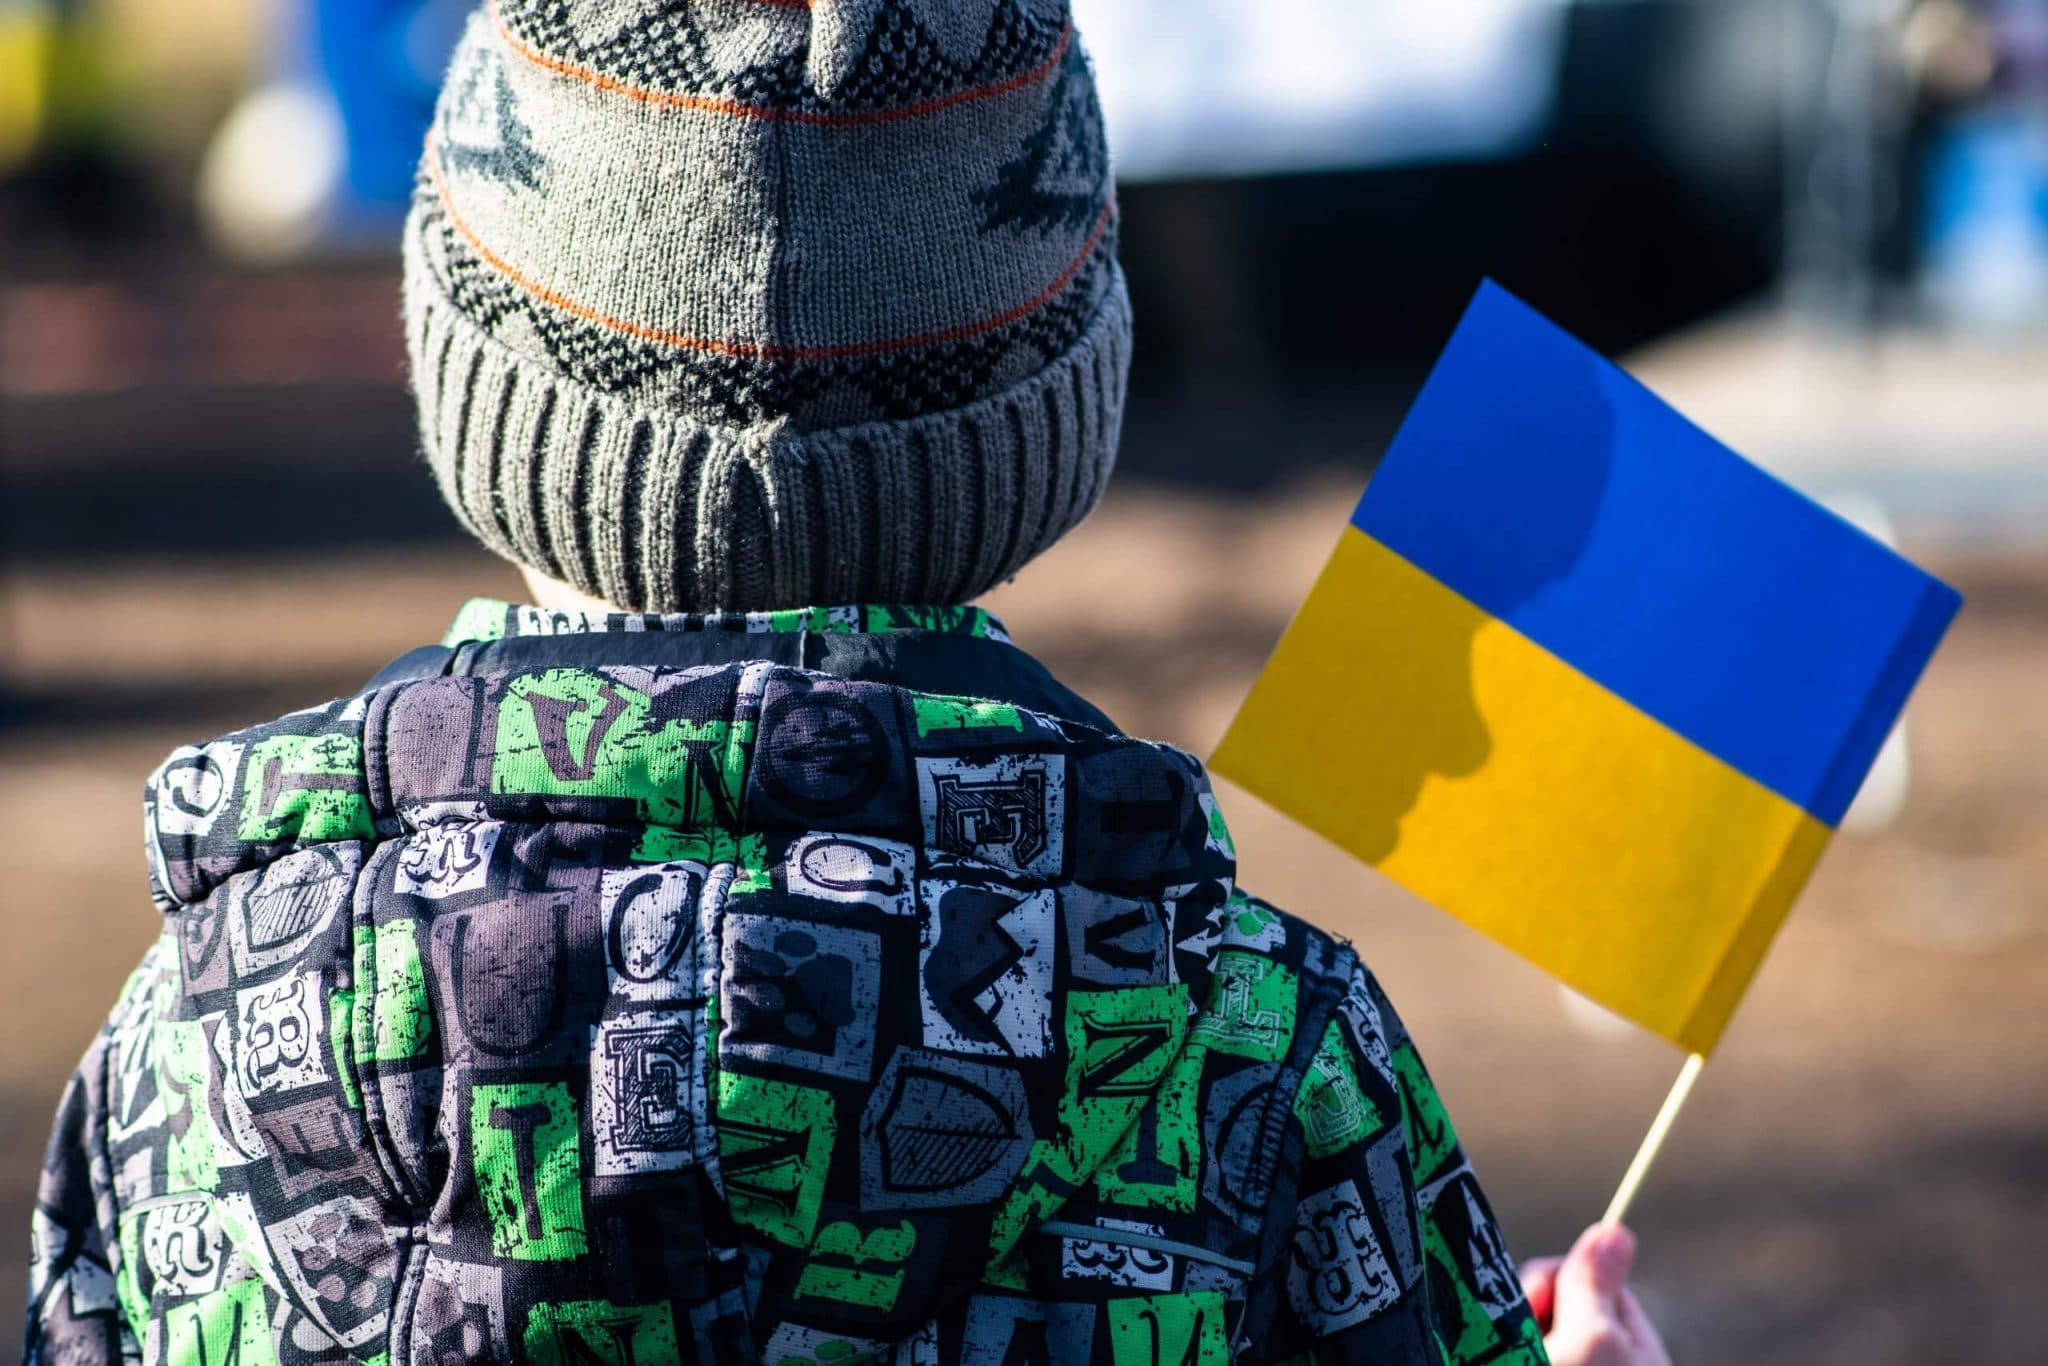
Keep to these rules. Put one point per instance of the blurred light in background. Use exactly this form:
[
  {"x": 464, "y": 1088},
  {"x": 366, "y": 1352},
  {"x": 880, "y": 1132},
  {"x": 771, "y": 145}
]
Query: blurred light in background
[
  {"x": 1220, "y": 87},
  {"x": 27, "y": 34},
  {"x": 268, "y": 187}
]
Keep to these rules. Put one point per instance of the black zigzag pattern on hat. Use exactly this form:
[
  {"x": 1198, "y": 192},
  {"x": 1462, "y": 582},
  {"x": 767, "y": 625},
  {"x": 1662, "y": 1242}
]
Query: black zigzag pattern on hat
[
  {"x": 736, "y": 390},
  {"x": 901, "y": 64}
]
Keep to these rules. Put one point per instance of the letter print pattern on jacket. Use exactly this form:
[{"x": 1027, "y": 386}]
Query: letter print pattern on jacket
[{"x": 641, "y": 1013}]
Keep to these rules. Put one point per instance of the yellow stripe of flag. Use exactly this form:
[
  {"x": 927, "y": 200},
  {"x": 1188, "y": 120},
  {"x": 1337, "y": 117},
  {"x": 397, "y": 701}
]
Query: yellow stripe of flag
[{"x": 1498, "y": 782}]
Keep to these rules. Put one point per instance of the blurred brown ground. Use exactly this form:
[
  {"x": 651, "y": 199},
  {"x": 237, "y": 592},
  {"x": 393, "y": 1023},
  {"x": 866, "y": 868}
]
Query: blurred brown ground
[{"x": 1862, "y": 1177}]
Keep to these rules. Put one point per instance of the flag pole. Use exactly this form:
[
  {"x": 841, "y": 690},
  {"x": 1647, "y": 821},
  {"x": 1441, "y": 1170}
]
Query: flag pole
[{"x": 1660, "y": 1129}]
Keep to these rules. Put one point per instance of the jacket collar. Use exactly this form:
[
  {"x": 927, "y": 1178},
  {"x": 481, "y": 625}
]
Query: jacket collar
[
  {"x": 960, "y": 651},
  {"x": 491, "y": 619}
]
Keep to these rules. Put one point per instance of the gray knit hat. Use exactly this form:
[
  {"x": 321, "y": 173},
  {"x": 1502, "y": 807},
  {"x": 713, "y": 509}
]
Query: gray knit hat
[{"x": 741, "y": 304}]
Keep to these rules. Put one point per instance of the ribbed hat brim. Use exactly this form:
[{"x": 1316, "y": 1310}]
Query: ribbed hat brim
[{"x": 654, "y": 510}]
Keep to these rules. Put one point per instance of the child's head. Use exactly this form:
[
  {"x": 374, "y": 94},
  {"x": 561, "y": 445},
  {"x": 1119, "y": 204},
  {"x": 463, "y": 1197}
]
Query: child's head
[{"x": 744, "y": 304}]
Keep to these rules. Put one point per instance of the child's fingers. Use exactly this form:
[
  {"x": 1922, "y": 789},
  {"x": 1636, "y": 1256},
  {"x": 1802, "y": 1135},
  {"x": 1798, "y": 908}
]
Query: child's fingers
[
  {"x": 1539, "y": 1284},
  {"x": 1594, "y": 1275}
]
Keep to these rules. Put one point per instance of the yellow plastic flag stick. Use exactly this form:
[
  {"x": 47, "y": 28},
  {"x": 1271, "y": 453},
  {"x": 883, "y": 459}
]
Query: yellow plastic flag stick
[{"x": 1660, "y": 1128}]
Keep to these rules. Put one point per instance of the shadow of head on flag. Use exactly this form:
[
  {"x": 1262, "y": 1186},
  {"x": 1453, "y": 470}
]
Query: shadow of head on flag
[{"x": 1412, "y": 681}]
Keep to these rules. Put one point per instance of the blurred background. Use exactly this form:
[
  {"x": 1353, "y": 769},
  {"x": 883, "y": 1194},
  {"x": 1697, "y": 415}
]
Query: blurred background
[{"x": 1818, "y": 226}]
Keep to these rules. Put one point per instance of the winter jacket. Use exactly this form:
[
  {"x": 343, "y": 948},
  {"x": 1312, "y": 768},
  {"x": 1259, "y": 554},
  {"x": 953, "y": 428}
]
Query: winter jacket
[{"x": 800, "y": 987}]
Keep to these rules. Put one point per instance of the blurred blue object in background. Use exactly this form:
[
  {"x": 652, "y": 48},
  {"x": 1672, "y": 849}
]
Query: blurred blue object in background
[
  {"x": 383, "y": 61},
  {"x": 1986, "y": 233}
]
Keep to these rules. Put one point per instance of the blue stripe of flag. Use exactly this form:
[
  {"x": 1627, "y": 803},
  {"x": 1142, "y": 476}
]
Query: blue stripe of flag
[{"x": 1557, "y": 494}]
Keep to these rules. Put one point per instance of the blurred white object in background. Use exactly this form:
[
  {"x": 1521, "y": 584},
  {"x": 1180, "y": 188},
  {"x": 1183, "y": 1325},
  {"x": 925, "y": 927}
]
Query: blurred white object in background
[
  {"x": 1882, "y": 799},
  {"x": 1592, "y": 1019},
  {"x": 273, "y": 174},
  {"x": 1220, "y": 87}
]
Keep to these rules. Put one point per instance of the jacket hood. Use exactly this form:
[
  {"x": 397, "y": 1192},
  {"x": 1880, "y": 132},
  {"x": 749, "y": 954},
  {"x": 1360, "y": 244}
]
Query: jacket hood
[{"x": 593, "y": 994}]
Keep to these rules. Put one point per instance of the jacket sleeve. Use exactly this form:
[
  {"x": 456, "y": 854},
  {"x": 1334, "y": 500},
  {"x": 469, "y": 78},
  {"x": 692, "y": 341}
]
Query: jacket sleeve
[
  {"x": 1393, "y": 1253},
  {"x": 75, "y": 1315}
]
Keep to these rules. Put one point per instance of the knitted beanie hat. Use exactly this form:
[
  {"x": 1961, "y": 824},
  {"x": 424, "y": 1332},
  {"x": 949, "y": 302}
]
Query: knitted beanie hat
[{"x": 743, "y": 304}]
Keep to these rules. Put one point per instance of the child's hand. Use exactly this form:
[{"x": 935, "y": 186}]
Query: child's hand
[{"x": 1582, "y": 1303}]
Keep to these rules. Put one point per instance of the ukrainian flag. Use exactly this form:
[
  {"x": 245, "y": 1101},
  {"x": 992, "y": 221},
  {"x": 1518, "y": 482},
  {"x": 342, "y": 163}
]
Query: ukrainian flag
[{"x": 1587, "y": 679}]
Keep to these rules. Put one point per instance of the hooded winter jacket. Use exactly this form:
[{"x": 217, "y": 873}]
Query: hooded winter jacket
[{"x": 800, "y": 987}]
